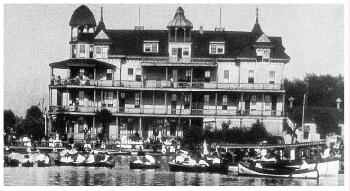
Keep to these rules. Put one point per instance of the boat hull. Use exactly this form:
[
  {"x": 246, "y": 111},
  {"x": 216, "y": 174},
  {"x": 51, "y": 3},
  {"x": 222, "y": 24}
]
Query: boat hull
[
  {"x": 247, "y": 170},
  {"x": 109, "y": 164},
  {"x": 220, "y": 168},
  {"x": 143, "y": 166}
]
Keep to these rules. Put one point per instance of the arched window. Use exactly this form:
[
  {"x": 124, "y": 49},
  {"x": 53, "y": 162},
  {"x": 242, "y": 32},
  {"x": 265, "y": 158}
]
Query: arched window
[
  {"x": 74, "y": 32},
  {"x": 91, "y": 30}
]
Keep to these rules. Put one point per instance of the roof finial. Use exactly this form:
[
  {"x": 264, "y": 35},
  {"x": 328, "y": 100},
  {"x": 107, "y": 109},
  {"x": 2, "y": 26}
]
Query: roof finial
[
  {"x": 139, "y": 16},
  {"x": 257, "y": 15},
  {"x": 101, "y": 13}
]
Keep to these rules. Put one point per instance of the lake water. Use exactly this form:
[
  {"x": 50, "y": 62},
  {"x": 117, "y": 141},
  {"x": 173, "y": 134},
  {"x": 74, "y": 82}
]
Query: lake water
[{"x": 121, "y": 175}]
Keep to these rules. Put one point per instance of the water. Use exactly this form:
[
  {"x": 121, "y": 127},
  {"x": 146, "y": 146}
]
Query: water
[{"x": 121, "y": 175}]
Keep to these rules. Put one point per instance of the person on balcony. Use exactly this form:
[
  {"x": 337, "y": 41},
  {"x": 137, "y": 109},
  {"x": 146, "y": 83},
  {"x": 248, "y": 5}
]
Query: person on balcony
[{"x": 59, "y": 80}]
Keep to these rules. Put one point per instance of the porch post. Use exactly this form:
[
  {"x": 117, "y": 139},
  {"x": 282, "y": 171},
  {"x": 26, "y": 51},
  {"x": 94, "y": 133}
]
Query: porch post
[
  {"x": 94, "y": 105},
  {"x": 242, "y": 99},
  {"x": 153, "y": 101},
  {"x": 117, "y": 126},
  {"x": 283, "y": 102},
  {"x": 140, "y": 127},
  {"x": 141, "y": 104},
  {"x": 216, "y": 103},
  {"x": 191, "y": 75},
  {"x": 166, "y": 73},
  {"x": 165, "y": 102},
  {"x": 118, "y": 101},
  {"x": 95, "y": 74},
  {"x": 262, "y": 104},
  {"x": 93, "y": 125}
]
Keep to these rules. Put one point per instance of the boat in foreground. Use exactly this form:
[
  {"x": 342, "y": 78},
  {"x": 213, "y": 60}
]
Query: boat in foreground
[
  {"x": 110, "y": 163},
  {"x": 144, "y": 166},
  {"x": 214, "y": 168},
  {"x": 248, "y": 169}
]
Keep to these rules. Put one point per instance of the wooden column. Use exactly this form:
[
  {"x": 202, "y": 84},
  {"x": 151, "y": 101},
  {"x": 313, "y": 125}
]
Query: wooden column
[
  {"x": 141, "y": 102},
  {"x": 216, "y": 103},
  {"x": 93, "y": 124},
  {"x": 117, "y": 125},
  {"x": 190, "y": 102},
  {"x": 165, "y": 102},
  {"x": 140, "y": 127},
  {"x": 102, "y": 98},
  {"x": 191, "y": 75},
  {"x": 113, "y": 77},
  {"x": 94, "y": 105},
  {"x": 283, "y": 102},
  {"x": 262, "y": 104},
  {"x": 153, "y": 101},
  {"x": 176, "y": 34},
  {"x": 118, "y": 101},
  {"x": 166, "y": 73},
  {"x": 242, "y": 100}
]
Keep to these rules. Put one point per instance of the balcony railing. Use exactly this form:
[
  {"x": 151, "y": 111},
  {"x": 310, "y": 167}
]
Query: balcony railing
[
  {"x": 162, "y": 110},
  {"x": 169, "y": 84}
]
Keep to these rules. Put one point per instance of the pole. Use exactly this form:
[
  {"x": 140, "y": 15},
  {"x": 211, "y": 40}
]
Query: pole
[{"x": 302, "y": 119}]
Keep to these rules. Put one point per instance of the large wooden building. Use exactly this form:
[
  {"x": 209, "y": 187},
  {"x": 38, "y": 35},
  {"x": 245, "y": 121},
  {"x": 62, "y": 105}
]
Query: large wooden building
[{"x": 151, "y": 78}]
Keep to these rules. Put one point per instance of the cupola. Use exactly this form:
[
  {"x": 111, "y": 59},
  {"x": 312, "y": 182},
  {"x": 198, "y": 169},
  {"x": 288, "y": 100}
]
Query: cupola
[{"x": 180, "y": 27}]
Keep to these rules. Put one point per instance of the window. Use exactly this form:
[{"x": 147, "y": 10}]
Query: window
[
  {"x": 150, "y": 47},
  {"x": 224, "y": 102},
  {"x": 206, "y": 101},
  {"x": 187, "y": 101},
  {"x": 188, "y": 75},
  {"x": 271, "y": 77},
  {"x": 186, "y": 52},
  {"x": 109, "y": 74},
  {"x": 81, "y": 98},
  {"x": 91, "y": 51},
  {"x": 267, "y": 102},
  {"x": 262, "y": 55},
  {"x": 251, "y": 77},
  {"x": 226, "y": 74},
  {"x": 253, "y": 102},
  {"x": 207, "y": 76},
  {"x": 104, "y": 52},
  {"x": 82, "y": 51},
  {"x": 138, "y": 75},
  {"x": 98, "y": 53},
  {"x": 81, "y": 73},
  {"x": 306, "y": 132},
  {"x": 217, "y": 48},
  {"x": 173, "y": 97},
  {"x": 110, "y": 99},
  {"x": 74, "y": 51},
  {"x": 174, "y": 51},
  {"x": 74, "y": 33},
  {"x": 122, "y": 95},
  {"x": 130, "y": 74},
  {"x": 137, "y": 100}
]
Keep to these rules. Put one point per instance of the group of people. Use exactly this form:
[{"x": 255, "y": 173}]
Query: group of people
[
  {"x": 79, "y": 158},
  {"x": 28, "y": 157},
  {"x": 183, "y": 157},
  {"x": 146, "y": 159}
]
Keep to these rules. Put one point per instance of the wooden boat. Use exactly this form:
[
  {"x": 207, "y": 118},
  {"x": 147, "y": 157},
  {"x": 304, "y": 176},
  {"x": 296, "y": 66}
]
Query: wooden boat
[
  {"x": 144, "y": 166},
  {"x": 42, "y": 164},
  {"x": 28, "y": 164},
  {"x": 109, "y": 163},
  {"x": 119, "y": 152},
  {"x": 250, "y": 170},
  {"x": 215, "y": 168},
  {"x": 10, "y": 162}
]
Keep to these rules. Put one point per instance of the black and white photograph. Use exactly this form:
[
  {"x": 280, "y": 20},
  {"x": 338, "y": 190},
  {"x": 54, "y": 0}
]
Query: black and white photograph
[{"x": 175, "y": 94}]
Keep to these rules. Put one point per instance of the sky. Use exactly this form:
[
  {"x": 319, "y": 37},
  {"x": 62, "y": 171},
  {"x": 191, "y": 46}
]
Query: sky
[{"x": 36, "y": 35}]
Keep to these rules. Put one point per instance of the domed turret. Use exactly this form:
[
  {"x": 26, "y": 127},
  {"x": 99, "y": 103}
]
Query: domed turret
[
  {"x": 82, "y": 21},
  {"x": 82, "y": 16},
  {"x": 179, "y": 27}
]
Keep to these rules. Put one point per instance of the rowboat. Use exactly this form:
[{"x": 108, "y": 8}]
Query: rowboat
[
  {"x": 214, "y": 168},
  {"x": 10, "y": 162},
  {"x": 109, "y": 163},
  {"x": 40, "y": 163},
  {"x": 248, "y": 169},
  {"x": 144, "y": 166},
  {"x": 28, "y": 164}
]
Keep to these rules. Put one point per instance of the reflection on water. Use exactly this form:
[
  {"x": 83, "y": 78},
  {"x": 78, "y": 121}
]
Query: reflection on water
[{"x": 121, "y": 175}]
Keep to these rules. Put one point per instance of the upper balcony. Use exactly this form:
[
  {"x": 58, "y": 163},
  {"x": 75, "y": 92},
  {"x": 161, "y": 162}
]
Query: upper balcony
[
  {"x": 175, "y": 61},
  {"x": 165, "y": 85}
]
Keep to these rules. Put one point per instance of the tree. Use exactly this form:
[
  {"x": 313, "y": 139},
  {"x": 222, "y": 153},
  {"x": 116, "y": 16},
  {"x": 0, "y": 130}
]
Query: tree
[
  {"x": 9, "y": 121},
  {"x": 105, "y": 117},
  {"x": 290, "y": 130},
  {"x": 257, "y": 133},
  {"x": 34, "y": 123},
  {"x": 326, "y": 121}
]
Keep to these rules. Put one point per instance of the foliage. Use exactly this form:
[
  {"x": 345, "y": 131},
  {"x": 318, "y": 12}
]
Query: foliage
[
  {"x": 258, "y": 132},
  {"x": 290, "y": 130},
  {"x": 9, "y": 120},
  {"x": 105, "y": 117},
  {"x": 326, "y": 121},
  {"x": 34, "y": 123},
  {"x": 192, "y": 137}
]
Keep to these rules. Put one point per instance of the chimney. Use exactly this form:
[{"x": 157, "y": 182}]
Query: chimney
[{"x": 201, "y": 29}]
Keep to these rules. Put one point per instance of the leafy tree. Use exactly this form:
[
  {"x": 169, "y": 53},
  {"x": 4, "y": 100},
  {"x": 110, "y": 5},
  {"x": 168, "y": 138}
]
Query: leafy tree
[
  {"x": 34, "y": 123},
  {"x": 105, "y": 117},
  {"x": 258, "y": 132},
  {"x": 9, "y": 120},
  {"x": 326, "y": 121}
]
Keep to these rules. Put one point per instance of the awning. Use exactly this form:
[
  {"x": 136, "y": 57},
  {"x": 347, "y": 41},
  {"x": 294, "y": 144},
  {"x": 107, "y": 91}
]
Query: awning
[{"x": 81, "y": 63}]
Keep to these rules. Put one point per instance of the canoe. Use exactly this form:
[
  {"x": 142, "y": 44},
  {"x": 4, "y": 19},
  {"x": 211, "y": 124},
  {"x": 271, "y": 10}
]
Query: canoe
[
  {"x": 110, "y": 163},
  {"x": 250, "y": 170},
  {"x": 214, "y": 168},
  {"x": 144, "y": 166},
  {"x": 27, "y": 164}
]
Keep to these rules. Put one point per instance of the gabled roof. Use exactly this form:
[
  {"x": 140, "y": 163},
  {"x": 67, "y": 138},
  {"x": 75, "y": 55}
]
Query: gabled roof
[
  {"x": 81, "y": 63},
  {"x": 237, "y": 43}
]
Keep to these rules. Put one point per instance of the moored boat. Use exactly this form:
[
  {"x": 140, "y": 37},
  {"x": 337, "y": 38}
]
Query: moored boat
[
  {"x": 144, "y": 166},
  {"x": 42, "y": 164},
  {"x": 27, "y": 164},
  {"x": 10, "y": 162},
  {"x": 248, "y": 169},
  {"x": 109, "y": 163},
  {"x": 214, "y": 168}
]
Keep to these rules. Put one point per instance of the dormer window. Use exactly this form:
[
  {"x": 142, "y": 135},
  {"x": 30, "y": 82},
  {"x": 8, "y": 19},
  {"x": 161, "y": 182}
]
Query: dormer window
[
  {"x": 150, "y": 47},
  {"x": 217, "y": 48},
  {"x": 263, "y": 55},
  {"x": 101, "y": 52},
  {"x": 82, "y": 51}
]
